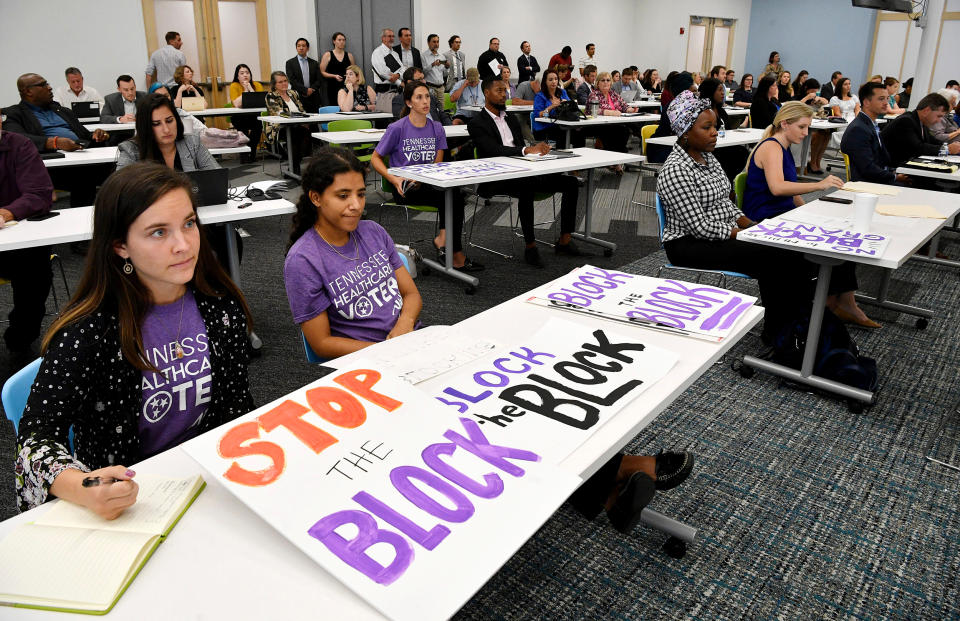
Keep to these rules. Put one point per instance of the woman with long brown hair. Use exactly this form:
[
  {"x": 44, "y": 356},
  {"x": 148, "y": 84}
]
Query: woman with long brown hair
[{"x": 150, "y": 351}]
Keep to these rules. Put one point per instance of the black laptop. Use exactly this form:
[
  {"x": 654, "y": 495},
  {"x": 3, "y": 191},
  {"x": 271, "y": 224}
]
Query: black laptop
[
  {"x": 253, "y": 100},
  {"x": 86, "y": 109},
  {"x": 209, "y": 186}
]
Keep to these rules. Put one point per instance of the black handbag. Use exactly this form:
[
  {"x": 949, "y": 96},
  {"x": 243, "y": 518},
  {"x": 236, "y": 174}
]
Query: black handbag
[{"x": 568, "y": 110}]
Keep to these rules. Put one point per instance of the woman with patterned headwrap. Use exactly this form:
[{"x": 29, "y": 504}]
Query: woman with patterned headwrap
[{"x": 701, "y": 222}]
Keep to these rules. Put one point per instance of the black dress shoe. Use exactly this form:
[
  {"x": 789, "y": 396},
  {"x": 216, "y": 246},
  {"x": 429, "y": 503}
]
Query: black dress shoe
[
  {"x": 636, "y": 494},
  {"x": 570, "y": 249},
  {"x": 673, "y": 469},
  {"x": 532, "y": 257},
  {"x": 470, "y": 266}
]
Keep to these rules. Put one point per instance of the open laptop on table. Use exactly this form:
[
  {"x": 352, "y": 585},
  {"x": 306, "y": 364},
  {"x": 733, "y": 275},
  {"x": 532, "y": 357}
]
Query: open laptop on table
[
  {"x": 209, "y": 186},
  {"x": 86, "y": 109},
  {"x": 256, "y": 99}
]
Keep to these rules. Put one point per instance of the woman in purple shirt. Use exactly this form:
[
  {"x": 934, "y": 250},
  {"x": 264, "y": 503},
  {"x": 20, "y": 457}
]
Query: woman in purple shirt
[
  {"x": 416, "y": 139},
  {"x": 150, "y": 351},
  {"x": 346, "y": 284}
]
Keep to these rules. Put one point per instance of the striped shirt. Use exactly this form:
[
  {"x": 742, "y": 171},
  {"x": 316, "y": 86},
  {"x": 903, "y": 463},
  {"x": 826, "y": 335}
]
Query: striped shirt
[{"x": 696, "y": 198}]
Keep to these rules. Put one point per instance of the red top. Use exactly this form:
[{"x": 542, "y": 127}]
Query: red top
[{"x": 557, "y": 59}]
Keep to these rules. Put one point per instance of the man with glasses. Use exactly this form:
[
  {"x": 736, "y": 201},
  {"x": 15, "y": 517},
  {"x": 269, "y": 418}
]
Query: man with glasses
[
  {"x": 51, "y": 127},
  {"x": 386, "y": 65},
  {"x": 457, "y": 67}
]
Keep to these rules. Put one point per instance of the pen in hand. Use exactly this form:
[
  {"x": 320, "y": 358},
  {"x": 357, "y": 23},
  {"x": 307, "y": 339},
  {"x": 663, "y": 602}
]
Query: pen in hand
[{"x": 95, "y": 481}]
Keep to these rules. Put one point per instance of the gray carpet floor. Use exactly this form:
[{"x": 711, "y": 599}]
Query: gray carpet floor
[{"x": 805, "y": 510}]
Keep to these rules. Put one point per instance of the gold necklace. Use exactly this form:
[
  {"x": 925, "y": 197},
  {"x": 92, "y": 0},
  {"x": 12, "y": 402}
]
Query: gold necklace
[
  {"x": 334, "y": 248},
  {"x": 177, "y": 348}
]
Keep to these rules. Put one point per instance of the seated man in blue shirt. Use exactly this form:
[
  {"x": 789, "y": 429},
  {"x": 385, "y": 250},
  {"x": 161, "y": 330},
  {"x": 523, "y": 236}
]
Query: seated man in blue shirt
[{"x": 51, "y": 127}]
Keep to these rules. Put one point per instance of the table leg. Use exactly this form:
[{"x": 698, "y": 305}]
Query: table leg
[
  {"x": 804, "y": 153},
  {"x": 931, "y": 256},
  {"x": 882, "y": 301},
  {"x": 805, "y": 375},
  {"x": 233, "y": 267},
  {"x": 290, "y": 173},
  {"x": 448, "y": 269},
  {"x": 586, "y": 236}
]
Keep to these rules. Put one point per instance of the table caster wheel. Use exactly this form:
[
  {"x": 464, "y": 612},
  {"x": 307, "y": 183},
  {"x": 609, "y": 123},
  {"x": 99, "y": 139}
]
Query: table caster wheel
[
  {"x": 922, "y": 323},
  {"x": 675, "y": 548},
  {"x": 608, "y": 252},
  {"x": 855, "y": 407},
  {"x": 746, "y": 372},
  {"x": 470, "y": 290}
]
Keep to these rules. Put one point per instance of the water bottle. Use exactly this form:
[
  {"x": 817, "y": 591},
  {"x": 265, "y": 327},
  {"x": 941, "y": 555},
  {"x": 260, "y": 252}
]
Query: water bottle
[{"x": 944, "y": 150}]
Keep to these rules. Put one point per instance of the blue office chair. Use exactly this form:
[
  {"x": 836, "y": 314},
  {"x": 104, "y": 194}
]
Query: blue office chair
[
  {"x": 311, "y": 355},
  {"x": 720, "y": 274},
  {"x": 327, "y": 110},
  {"x": 15, "y": 392}
]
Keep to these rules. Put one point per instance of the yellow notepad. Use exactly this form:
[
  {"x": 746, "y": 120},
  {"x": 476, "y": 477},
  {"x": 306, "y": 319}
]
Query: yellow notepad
[
  {"x": 75, "y": 561},
  {"x": 910, "y": 211},
  {"x": 872, "y": 188}
]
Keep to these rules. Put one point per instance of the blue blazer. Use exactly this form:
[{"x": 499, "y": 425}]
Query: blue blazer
[{"x": 869, "y": 161}]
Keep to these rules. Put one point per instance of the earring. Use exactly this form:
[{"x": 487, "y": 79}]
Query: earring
[{"x": 127, "y": 267}]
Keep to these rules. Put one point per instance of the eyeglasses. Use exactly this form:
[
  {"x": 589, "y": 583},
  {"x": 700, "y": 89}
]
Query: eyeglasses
[{"x": 43, "y": 84}]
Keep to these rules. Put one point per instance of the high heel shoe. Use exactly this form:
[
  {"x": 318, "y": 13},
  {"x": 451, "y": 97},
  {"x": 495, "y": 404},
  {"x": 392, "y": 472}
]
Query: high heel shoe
[{"x": 637, "y": 494}]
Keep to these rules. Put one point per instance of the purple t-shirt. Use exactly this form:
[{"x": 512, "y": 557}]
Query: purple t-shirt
[
  {"x": 175, "y": 402},
  {"x": 357, "y": 280},
  {"x": 407, "y": 144}
]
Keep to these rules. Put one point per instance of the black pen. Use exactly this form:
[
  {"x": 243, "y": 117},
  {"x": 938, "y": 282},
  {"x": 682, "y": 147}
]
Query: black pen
[{"x": 95, "y": 481}]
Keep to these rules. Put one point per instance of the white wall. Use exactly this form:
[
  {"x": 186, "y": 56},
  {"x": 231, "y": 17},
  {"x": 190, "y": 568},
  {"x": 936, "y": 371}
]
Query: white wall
[
  {"x": 47, "y": 36},
  {"x": 645, "y": 33},
  {"x": 287, "y": 21}
]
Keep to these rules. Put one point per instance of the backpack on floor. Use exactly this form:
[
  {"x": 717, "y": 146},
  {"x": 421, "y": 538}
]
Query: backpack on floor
[{"x": 837, "y": 358}]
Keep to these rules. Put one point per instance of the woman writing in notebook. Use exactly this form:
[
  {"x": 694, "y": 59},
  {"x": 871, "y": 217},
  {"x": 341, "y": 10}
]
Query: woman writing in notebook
[{"x": 150, "y": 351}]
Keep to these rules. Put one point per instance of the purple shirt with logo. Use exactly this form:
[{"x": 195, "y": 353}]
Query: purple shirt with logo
[
  {"x": 407, "y": 144},
  {"x": 355, "y": 284},
  {"x": 175, "y": 401}
]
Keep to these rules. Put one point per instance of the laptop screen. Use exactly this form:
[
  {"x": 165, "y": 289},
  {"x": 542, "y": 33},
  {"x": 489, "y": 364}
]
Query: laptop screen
[{"x": 209, "y": 186}]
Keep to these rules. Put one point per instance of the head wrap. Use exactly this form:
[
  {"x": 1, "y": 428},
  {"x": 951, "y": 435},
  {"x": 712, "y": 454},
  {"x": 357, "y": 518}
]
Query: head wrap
[
  {"x": 155, "y": 86},
  {"x": 684, "y": 110}
]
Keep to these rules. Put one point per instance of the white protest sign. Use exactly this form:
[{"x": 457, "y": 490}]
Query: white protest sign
[
  {"x": 442, "y": 171},
  {"x": 552, "y": 391},
  {"x": 410, "y": 507},
  {"x": 662, "y": 303},
  {"x": 834, "y": 239}
]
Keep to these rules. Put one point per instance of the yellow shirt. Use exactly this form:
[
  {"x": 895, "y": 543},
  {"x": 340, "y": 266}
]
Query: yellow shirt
[{"x": 236, "y": 89}]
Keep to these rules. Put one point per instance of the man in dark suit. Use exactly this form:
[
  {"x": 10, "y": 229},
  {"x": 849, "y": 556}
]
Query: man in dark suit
[
  {"x": 869, "y": 160},
  {"x": 437, "y": 113},
  {"x": 489, "y": 130},
  {"x": 51, "y": 127},
  {"x": 828, "y": 90},
  {"x": 304, "y": 75},
  {"x": 121, "y": 107},
  {"x": 493, "y": 53},
  {"x": 908, "y": 136},
  {"x": 527, "y": 65},
  {"x": 409, "y": 55}
]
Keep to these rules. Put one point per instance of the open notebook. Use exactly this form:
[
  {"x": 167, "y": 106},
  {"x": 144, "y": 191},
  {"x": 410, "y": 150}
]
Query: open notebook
[{"x": 73, "y": 560}]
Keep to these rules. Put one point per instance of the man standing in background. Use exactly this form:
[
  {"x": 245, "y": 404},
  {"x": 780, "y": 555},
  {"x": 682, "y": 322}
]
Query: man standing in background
[
  {"x": 435, "y": 66},
  {"x": 492, "y": 54},
  {"x": 304, "y": 75},
  {"x": 527, "y": 65},
  {"x": 456, "y": 67},
  {"x": 409, "y": 55},
  {"x": 165, "y": 60}
]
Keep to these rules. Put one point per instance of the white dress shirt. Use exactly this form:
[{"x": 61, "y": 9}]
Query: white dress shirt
[
  {"x": 433, "y": 74},
  {"x": 500, "y": 120},
  {"x": 65, "y": 96},
  {"x": 380, "y": 70}
]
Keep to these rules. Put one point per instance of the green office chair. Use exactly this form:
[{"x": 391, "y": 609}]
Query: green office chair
[
  {"x": 740, "y": 186},
  {"x": 364, "y": 152}
]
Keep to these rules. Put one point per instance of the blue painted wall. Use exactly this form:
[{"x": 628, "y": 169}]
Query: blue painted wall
[{"x": 820, "y": 36}]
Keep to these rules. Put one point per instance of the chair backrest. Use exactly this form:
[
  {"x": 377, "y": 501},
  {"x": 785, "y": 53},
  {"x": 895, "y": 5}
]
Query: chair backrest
[
  {"x": 348, "y": 125},
  {"x": 16, "y": 390},
  {"x": 448, "y": 105},
  {"x": 661, "y": 217},
  {"x": 327, "y": 110},
  {"x": 846, "y": 165},
  {"x": 405, "y": 260},
  {"x": 312, "y": 356},
  {"x": 740, "y": 186},
  {"x": 645, "y": 132}
]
